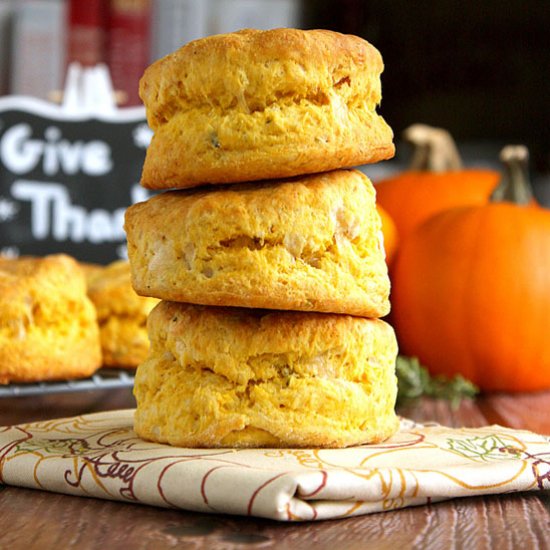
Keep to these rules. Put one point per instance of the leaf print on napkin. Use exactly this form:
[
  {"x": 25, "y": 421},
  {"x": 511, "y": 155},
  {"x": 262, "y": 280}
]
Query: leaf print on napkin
[
  {"x": 70, "y": 446},
  {"x": 490, "y": 447}
]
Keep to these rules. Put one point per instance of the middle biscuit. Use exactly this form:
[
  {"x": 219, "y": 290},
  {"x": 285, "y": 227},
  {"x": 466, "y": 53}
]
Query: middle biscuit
[{"x": 310, "y": 244}]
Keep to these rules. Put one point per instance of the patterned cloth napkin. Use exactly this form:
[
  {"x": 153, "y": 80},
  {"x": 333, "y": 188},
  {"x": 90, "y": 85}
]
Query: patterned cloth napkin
[{"x": 99, "y": 455}]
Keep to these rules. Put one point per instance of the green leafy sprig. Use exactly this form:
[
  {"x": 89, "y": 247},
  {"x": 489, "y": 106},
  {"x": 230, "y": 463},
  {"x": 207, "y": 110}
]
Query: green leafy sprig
[{"x": 415, "y": 381}]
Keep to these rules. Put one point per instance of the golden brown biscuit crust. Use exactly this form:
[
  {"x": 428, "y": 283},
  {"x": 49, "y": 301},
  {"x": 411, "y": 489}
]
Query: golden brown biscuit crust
[
  {"x": 255, "y": 105},
  {"x": 48, "y": 327},
  {"x": 121, "y": 314},
  {"x": 223, "y": 377},
  {"x": 310, "y": 244}
]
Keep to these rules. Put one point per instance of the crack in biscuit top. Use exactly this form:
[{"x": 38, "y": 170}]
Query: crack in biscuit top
[{"x": 251, "y": 71}]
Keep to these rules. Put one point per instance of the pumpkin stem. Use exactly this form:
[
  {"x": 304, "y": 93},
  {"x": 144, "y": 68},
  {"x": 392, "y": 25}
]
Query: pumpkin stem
[
  {"x": 514, "y": 185},
  {"x": 434, "y": 149}
]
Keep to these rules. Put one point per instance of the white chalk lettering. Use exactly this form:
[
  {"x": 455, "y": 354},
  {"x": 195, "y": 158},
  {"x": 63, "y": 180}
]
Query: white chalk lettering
[
  {"x": 41, "y": 196},
  {"x": 22, "y": 154},
  {"x": 53, "y": 214},
  {"x": 139, "y": 194},
  {"x": 18, "y": 153}
]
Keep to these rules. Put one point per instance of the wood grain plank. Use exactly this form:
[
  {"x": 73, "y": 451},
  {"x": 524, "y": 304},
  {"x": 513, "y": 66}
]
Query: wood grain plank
[
  {"x": 530, "y": 411},
  {"x": 467, "y": 414},
  {"x": 18, "y": 410},
  {"x": 40, "y": 520}
]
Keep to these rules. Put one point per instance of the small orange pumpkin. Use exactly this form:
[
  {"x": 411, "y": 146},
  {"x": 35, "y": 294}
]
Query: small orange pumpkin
[
  {"x": 390, "y": 234},
  {"x": 471, "y": 288},
  {"x": 434, "y": 182}
]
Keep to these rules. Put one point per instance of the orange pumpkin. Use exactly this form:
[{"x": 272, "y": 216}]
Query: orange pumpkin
[
  {"x": 436, "y": 181},
  {"x": 390, "y": 234},
  {"x": 471, "y": 289}
]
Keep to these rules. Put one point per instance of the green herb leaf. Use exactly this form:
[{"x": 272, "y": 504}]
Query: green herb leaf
[{"x": 415, "y": 381}]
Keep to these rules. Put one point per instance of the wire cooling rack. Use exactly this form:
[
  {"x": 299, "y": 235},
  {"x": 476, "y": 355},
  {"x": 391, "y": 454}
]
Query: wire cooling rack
[{"x": 104, "y": 379}]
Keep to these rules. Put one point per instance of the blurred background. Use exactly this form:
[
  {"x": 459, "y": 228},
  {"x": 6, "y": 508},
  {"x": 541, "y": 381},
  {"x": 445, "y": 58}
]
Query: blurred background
[{"x": 478, "y": 69}]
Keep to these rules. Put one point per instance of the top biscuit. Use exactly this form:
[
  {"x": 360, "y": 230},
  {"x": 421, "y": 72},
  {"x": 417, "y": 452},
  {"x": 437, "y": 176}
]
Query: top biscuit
[{"x": 255, "y": 105}]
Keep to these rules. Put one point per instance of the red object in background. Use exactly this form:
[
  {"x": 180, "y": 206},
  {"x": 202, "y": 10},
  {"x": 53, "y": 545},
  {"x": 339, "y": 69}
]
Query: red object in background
[
  {"x": 87, "y": 23},
  {"x": 128, "y": 52}
]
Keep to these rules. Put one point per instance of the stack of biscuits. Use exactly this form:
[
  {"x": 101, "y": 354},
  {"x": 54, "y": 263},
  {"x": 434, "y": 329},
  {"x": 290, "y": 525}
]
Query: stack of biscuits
[{"x": 267, "y": 254}]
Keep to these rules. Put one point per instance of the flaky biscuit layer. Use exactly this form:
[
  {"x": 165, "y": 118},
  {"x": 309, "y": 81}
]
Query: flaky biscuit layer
[
  {"x": 228, "y": 377},
  {"x": 255, "y": 105},
  {"x": 310, "y": 244}
]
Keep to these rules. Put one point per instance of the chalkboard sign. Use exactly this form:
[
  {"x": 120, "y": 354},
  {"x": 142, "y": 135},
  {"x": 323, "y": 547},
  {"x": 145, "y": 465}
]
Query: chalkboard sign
[{"x": 66, "y": 179}]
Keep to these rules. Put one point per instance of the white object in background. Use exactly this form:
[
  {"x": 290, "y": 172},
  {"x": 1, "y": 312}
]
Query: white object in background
[
  {"x": 88, "y": 90},
  {"x": 38, "y": 47},
  {"x": 176, "y": 22},
  {"x": 232, "y": 15}
]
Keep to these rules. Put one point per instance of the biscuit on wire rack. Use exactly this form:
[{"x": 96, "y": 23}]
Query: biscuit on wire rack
[
  {"x": 121, "y": 315},
  {"x": 48, "y": 326}
]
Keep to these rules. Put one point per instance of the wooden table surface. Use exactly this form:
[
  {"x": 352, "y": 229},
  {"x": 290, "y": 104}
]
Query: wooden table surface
[{"x": 34, "y": 519}]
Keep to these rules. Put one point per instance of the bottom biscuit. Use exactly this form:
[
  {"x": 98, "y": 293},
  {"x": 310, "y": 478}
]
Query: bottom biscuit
[{"x": 220, "y": 377}]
